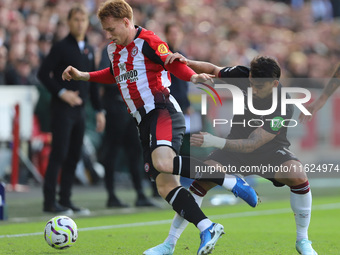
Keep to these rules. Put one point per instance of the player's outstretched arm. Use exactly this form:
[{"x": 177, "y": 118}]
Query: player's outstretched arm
[
  {"x": 255, "y": 140},
  {"x": 197, "y": 66},
  {"x": 315, "y": 106},
  {"x": 72, "y": 73},
  {"x": 183, "y": 72}
]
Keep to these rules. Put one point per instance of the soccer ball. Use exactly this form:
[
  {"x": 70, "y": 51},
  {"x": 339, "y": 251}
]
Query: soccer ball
[{"x": 61, "y": 232}]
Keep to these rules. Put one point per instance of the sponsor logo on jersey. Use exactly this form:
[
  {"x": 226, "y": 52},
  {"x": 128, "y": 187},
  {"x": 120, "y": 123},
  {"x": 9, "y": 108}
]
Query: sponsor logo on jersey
[
  {"x": 276, "y": 123},
  {"x": 132, "y": 76}
]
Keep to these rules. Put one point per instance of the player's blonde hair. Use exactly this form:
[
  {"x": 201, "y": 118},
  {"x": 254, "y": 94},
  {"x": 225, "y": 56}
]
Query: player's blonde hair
[{"x": 118, "y": 9}]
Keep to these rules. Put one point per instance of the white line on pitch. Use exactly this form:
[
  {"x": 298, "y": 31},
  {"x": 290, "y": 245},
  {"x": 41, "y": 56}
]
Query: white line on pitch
[{"x": 221, "y": 216}]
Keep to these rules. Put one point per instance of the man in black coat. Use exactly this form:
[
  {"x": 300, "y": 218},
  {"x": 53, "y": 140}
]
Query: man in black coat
[{"x": 67, "y": 110}]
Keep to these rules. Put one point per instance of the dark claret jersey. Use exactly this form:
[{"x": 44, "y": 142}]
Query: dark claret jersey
[{"x": 239, "y": 76}]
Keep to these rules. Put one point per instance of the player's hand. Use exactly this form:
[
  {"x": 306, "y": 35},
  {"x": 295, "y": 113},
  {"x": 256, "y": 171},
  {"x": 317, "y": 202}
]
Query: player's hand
[
  {"x": 202, "y": 77},
  {"x": 197, "y": 139},
  {"x": 72, "y": 73},
  {"x": 71, "y": 97},
  {"x": 100, "y": 122},
  {"x": 175, "y": 56}
]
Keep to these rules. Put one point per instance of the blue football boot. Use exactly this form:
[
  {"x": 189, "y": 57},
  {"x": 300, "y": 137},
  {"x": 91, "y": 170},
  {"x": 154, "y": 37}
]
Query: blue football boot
[
  {"x": 209, "y": 238},
  {"x": 243, "y": 190}
]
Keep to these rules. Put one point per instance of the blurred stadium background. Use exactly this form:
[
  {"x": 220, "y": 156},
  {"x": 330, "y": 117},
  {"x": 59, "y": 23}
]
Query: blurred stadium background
[{"x": 304, "y": 36}]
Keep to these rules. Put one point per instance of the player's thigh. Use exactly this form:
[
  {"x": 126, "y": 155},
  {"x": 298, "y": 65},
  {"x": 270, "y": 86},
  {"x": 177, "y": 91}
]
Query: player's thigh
[
  {"x": 291, "y": 174},
  {"x": 165, "y": 183}
]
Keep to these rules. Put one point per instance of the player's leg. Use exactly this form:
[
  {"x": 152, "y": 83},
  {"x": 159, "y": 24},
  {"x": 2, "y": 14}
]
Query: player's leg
[
  {"x": 187, "y": 167},
  {"x": 198, "y": 190},
  {"x": 161, "y": 135},
  {"x": 184, "y": 204},
  {"x": 301, "y": 202},
  {"x": 178, "y": 225},
  {"x": 167, "y": 129}
]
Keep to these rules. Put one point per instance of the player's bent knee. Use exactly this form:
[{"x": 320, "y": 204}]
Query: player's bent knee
[
  {"x": 162, "y": 159},
  {"x": 297, "y": 181}
]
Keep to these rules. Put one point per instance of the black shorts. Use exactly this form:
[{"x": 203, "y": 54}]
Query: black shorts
[
  {"x": 264, "y": 164},
  {"x": 161, "y": 127}
]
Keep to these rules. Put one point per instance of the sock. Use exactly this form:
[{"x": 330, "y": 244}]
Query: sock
[
  {"x": 229, "y": 182},
  {"x": 179, "y": 223},
  {"x": 185, "y": 205},
  {"x": 186, "y": 167},
  {"x": 198, "y": 193},
  {"x": 301, "y": 204}
]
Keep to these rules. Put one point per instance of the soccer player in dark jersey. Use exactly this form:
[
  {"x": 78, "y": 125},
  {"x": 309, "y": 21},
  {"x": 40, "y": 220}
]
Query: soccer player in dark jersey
[
  {"x": 254, "y": 146},
  {"x": 137, "y": 59},
  {"x": 330, "y": 88}
]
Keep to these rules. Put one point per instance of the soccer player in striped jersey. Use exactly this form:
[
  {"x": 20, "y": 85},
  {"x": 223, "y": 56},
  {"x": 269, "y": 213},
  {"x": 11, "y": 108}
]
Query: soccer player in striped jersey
[{"x": 137, "y": 59}]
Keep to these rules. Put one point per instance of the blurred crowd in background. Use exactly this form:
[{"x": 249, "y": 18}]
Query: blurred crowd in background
[{"x": 303, "y": 35}]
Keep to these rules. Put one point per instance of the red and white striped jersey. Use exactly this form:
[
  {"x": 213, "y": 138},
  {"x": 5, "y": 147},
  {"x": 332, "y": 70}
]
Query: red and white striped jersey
[{"x": 139, "y": 72}]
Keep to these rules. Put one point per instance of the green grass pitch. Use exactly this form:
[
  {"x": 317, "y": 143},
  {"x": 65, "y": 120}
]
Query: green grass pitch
[{"x": 267, "y": 229}]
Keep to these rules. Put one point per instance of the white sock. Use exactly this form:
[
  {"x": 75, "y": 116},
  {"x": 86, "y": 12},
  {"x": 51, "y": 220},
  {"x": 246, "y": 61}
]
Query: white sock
[
  {"x": 229, "y": 182},
  {"x": 204, "y": 224},
  {"x": 302, "y": 207},
  {"x": 179, "y": 224}
]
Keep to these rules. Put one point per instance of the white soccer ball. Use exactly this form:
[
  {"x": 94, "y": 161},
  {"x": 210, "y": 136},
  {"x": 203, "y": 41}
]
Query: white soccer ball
[{"x": 61, "y": 232}]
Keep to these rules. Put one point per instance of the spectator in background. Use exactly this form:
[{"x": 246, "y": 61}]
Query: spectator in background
[
  {"x": 67, "y": 111},
  {"x": 45, "y": 44},
  {"x": 20, "y": 73},
  {"x": 179, "y": 88},
  {"x": 120, "y": 133},
  {"x": 322, "y": 10},
  {"x": 3, "y": 62}
]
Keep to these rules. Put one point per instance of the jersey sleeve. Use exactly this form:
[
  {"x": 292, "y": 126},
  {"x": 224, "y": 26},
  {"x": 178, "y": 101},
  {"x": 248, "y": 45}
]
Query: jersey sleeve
[
  {"x": 234, "y": 72},
  {"x": 154, "y": 48},
  {"x": 104, "y": 76}
]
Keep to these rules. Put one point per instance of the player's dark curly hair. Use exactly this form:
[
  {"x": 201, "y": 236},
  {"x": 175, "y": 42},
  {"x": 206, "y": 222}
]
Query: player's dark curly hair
[{"x": 265, "y": 67}]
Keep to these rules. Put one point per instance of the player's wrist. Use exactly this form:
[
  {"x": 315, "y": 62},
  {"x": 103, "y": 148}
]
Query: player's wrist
[
  {"x": 84, "y": 76},
  {"x": 210, "y": 140}
]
